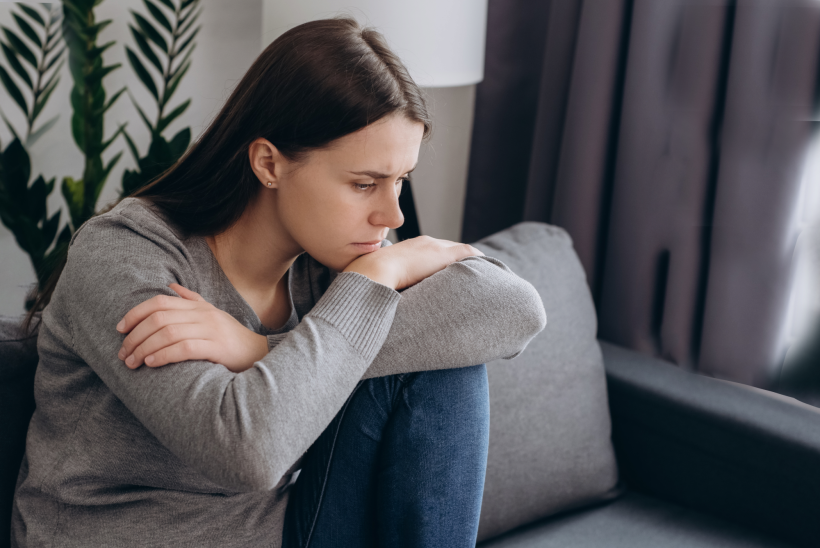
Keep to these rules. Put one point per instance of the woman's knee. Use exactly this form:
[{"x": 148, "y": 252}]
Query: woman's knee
[
  {"x": 457, "y": 391},
  {"x": 472, "y": 378}
]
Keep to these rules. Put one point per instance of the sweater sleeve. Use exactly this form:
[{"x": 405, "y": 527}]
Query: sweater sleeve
[
  {"x": 473, "y": 311},
  {"x": 240, "y": 430}
]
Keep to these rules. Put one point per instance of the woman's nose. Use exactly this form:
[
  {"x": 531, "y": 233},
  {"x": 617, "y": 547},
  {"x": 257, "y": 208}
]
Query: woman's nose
[{"x": 389, "y": 213}]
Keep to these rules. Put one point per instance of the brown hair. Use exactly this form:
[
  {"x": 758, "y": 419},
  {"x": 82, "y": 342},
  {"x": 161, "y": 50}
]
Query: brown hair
[{"x": 317, "y": 82}]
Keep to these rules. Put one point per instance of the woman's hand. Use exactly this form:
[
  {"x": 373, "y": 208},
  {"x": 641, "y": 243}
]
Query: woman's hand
[
  {"x": 165, "y": 329},
  {"x": 410, "y": 261}
]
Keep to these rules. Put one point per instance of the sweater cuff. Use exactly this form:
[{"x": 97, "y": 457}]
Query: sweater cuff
[
  {"x": 361, "y": 309},
  {"x": 273, "y": 340}
]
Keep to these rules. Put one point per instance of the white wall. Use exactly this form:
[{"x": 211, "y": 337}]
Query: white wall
[{"x": 226, "y": 46}]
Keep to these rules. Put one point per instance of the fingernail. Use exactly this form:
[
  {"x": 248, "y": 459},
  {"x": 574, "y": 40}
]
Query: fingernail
[
  {"x": 121, "y": 325},
  {"x": 149, "y": 360},
  {"x": 130, "y": 360},
  {"x": 121, "y": 353}
]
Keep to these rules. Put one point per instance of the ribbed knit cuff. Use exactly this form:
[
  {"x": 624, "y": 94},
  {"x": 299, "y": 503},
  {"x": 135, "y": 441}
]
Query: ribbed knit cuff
[
  {"x": 273, "y": 340},
  {"x": 361, "y": 309}
]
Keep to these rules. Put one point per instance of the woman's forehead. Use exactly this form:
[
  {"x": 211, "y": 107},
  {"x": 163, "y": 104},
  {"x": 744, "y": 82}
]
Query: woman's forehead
[{"x": 384, "y": 147}]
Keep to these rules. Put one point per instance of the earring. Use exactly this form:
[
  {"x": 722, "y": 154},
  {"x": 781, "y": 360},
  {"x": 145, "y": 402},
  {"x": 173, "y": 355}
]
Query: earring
[{"x": 270, "y": 183}]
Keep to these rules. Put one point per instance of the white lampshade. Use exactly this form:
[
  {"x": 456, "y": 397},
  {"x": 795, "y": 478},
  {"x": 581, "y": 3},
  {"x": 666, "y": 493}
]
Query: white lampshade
[{"x": 441, "y": 42}]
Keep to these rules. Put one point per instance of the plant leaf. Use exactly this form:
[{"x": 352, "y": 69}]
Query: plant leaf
[
  {"x": 20, "y": 47},
  {"x": 16, "y": 171},
  {"x": 134, "y": 152},
  {"x": 111, "y": 101},
  {"x": 51, "y": 78},
  {"x": 172, "y": 85},
  {"x": 166, "y": 120},
  {"x": 183, "y": 27},
  {"x": 110, "y": 165},
  {"x": 179, "y": 144},
  {"x": 142, "y": 73},
  {"x": 141, "y": 113},
  {"x": 72, "y": 190},
  {"x": 13, "y": 90},
  {"x": 157, "y": 14},
  {"x": 15, "y": 65},
  {"x": 75, "y": 11},
  {"x": 186, "y": 3},
  {"x": 145, "y": 48},
  {"x": 183, "y": 61},
  {"x": 51, "y": 40},
  {"x": 98, "y": 51},
  {"x": 56, "y": 70},
  {"x": 111, "y": 139},
  {"x": 27, "y": 30},
  {"x": 41, "y": 101},
  {"x": 78, "y": 129},
  {"x": 92, "y": 31},
  {"x": 51, "y": 225},
  {"x": 43, "y": 128},
  {"x": 35, "y": 204},
  {"x": 188, "y": 40},
  {"x": 169, "y": 5},
  {"x": 31, "y": 12},
  {"x": 104, "y": 72},
  {"x": 150, "y": 31}
]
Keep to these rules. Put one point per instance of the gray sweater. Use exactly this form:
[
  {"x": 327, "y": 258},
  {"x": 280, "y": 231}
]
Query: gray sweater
[{"x": 192, "y": 454}]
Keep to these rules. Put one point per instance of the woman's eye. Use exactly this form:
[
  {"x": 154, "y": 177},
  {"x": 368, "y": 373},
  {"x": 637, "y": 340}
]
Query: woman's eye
[{"x": 362, "y": 186}]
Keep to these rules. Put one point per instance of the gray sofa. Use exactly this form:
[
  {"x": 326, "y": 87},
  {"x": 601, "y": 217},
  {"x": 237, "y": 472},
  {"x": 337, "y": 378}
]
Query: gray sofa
[{"x": 591, "y": 444}]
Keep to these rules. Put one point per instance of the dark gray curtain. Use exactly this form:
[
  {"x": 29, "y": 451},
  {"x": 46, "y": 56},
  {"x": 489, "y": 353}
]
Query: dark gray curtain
[{"x": 667, "y": 137}]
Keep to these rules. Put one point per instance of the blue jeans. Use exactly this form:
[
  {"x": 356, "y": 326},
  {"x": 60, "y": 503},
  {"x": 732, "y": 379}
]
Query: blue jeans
[{"x": 401, "y": 465}]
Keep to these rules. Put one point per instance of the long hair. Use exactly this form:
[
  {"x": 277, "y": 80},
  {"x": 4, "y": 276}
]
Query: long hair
[{"x": 317, "y": 82}]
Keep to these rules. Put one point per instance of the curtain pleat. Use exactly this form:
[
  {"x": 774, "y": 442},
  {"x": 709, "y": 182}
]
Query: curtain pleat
[{"x": 667, "y": 138}]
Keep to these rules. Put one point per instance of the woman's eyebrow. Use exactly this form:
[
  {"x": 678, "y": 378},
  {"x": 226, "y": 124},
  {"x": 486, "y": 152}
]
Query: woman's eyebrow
[{"x": 376, "y": 174}]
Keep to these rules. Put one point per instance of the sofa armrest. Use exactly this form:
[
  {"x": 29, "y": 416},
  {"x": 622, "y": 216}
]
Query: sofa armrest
[{"x": 733, "y": 451}]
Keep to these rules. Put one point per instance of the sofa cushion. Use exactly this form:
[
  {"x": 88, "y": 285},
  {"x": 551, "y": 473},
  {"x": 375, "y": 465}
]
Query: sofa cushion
[
  {"x": 18, "y": 362},
  {"x": 550, "y": 447},
  {"x": 634, "y": 521}
]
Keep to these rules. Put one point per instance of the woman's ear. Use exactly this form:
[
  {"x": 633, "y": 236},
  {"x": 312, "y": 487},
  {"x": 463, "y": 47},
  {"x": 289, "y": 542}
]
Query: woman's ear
[{"x": 266, "y": 162}]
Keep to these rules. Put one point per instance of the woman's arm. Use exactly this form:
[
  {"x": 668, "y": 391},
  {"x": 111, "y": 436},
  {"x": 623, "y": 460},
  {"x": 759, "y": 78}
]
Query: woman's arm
[
  {"x": 241, "y": 430},
  {"x": 474, "y": 311}
]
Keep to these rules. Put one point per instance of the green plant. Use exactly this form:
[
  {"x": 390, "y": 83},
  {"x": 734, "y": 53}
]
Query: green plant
[
  {"x": 23, "y": 208},
  {"x": 171, "y": 63},
  {"x": 25, "y": 213},
  {"x": 88, "y": 103},
  {"x": 41, "y": 60}
]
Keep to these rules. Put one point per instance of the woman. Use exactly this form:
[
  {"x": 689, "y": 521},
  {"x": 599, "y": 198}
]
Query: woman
[{"x": 249, "y": 270}]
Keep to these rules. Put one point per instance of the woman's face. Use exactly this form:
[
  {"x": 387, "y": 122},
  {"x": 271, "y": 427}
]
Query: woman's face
[{"x": 348, "y": 193}]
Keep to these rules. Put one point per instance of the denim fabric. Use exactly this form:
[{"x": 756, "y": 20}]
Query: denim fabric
[{"x": 401, "y": 465}]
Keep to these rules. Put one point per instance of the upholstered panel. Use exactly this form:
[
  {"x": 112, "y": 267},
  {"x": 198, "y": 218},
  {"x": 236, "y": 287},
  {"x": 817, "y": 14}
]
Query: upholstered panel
[
  {"x": 18, "y": 362},
  {"x": 550, "y": 446},
  {"x": 634, "y": 521}
]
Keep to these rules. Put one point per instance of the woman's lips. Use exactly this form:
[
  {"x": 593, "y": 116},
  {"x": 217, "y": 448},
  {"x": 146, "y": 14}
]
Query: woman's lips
[{"x": 367, "y": 247}]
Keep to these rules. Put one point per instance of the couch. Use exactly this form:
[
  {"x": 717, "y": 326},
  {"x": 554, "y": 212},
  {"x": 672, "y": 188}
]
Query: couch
[{"x": 591, "y": 444}]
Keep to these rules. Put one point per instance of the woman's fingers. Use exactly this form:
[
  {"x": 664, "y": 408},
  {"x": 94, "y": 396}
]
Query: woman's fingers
[
  {"x": 186, "y": 293},
  {"x": 189, "y": 335},
  {"x": 156, "y": 322},
  {"x": 160, "y": 302},
  {"x": 190, "y": 349}
]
